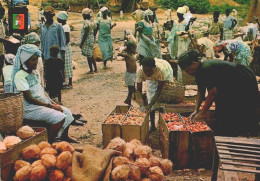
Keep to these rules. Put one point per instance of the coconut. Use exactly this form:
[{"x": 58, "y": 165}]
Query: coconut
[
  {"x": 48, "y": 160},
  {"x": 44, "y": 144},
  {"x": 146, "y": 179},
  {"x": 154, "y": 161},
  {"x": 117, "y": 161},
  {"x": 143, "y": 164},
  {"x": 38, "y": 173},
  {"x": 135, "y": 173},
  {"x": 48, "y": 151},
  {"x": 64, "y": 160},
  {"x": 31, "y": 152},
  {"x": 10, "y": 141},
  {"x": 36, "y": 163},
  {"x": 56, "y": 175},
  {"x": 155, "y": 173},
  {"x": 23, "y": 174},
  {"x": 64, "y": 146},
  {"x": 120, "y": 173},
  {"x": 68, "y": 172},
  {"x": 20, "y": 164},
  {"x": 2, "y": 147},
  {"x": 136, "y": 143},
  {"x": 166, "y": 166},
  {"x": 25, "y": 132},
  {"x": 143, "y": 152},
  {"x": 129, "y": 150},
  {"x": 117, "y": 144}
]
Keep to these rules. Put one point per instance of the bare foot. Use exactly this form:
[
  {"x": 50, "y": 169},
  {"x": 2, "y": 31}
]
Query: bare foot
[{"x": 127, "y": 102}]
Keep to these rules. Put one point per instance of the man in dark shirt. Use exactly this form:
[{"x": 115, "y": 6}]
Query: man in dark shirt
[{"x": 234, "y": 89}]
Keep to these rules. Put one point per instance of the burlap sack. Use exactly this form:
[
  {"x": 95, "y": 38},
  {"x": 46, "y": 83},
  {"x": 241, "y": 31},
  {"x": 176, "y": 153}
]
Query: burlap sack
[
  {"x": 97, "y": 54},
  {"x": 92, "y": 164}
]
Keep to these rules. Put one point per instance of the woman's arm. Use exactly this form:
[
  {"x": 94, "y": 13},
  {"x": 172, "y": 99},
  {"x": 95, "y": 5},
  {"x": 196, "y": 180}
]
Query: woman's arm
[
  {"x": 29, "y": 98},
  {"x": 157, "y": 94},
  {"x": 67, "y": 35},
  {"x": 86, "y": 31}
]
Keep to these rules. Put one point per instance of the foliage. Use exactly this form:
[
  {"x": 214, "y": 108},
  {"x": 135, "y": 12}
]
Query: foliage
[
  {"x": 247, "y": 2},
  {"x": 196, "y": 6},
  {"x": 242, "y": 9}
]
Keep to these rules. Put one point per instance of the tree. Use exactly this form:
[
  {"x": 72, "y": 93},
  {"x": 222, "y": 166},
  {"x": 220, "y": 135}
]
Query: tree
[
  {"x": 254, "y": 11},
  {"x": 128, "y": 5}
]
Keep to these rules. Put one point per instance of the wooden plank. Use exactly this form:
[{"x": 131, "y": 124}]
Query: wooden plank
[
  {"x": 224, "y": 161},
  {"x": 235, "y": 169},
  {"x": 240, "y": 150},
  {"x": 238, "y": 146},
  {"x": 238, "y": 154},
  {"x": 222, "y": 156},
  {"x": 246, "y": 141},
  {"x": 230, "y": 175}
]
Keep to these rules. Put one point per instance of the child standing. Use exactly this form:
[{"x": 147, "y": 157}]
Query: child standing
[
  {"x": 7, "y": 72},
  {"x": 131, "y": 67},
  {"x": 54, "y": 68},
  {"x": 62, "y": 18}
]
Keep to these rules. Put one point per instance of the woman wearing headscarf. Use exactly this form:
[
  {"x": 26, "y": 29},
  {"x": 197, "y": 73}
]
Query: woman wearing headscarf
[
  {"x": 232, "y": 86},
  {"x": 234, "y": 49},
  {"x": 104, "y": 26},
  {"x": 88, "y": 38},
  {"x": 147, "y": 45},
  {"x": 34, "y": 38},
  {"x": 62, "y": 18},
  {"x": 178, "y": 39},
  {"x": 37, "y": 106}
]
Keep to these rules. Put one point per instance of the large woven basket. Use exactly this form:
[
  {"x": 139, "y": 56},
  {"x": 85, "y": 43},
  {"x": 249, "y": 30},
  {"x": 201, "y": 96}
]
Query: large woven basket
[
  {"x": 172, "y": 93},
  {"x": 11, "y": 112}
]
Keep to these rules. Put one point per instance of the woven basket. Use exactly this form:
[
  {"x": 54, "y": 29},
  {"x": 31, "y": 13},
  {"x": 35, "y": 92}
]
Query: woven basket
[
  {"x": 11, "y": 112},
  {"x": 172, "y": 93}
]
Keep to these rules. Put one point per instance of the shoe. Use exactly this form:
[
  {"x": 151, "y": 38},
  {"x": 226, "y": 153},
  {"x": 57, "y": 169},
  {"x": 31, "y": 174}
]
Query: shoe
[
  {"x": 67, "y": 87},
  {"x": 77, "y": 116},
  {"x": 83, "y": 121},
  {"x": 90, "y": 72},
  {"x": 77, "y": 123}
]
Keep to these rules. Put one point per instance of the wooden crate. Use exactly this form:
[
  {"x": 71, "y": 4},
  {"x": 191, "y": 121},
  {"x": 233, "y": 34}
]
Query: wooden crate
[
  {"x": 174, "y": 145},
  {"x": 139, "y": 132},
  {"x": 8, "y": 158},
  {"x": 202, "y": 148},
  {"x": 111, "y": 131}
]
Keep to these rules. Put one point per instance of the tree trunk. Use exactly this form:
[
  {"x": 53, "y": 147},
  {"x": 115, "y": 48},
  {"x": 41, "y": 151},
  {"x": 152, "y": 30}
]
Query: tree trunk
[
  {"x": 128, "y": 6},
  {"x": 254, "y": 11}
]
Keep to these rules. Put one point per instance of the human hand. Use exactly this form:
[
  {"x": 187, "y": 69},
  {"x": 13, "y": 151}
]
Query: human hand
[
  {"x": 199, "y": 116},
  {"x": 191, "y": 117},
  {"x": 57, "y": 107}
]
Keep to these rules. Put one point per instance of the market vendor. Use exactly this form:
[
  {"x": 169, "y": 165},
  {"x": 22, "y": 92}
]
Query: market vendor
[
  {"x": 232, "y": 86},
  {"x": 147, "y": 45},
  {"x": 37, "y": 106},
  {"x": 234, "y": 49},
  {"x": 155, "y": 72}
]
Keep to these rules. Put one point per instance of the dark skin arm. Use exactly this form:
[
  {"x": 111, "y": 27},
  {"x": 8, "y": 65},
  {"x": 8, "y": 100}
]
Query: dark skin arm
[
  {"x": 234, "y": 23},
  {"x": 139, "y": 96},
  {"x": 67, "y": 35},
  {"x": 221, "y": 33},
  {"x": 29, "y": 98},
  {"x": 85, "y": 36},
  {"x": 209, "y": 100},
  {"x": 157, "y": 94},
  {"x": 200, "y": 97}
]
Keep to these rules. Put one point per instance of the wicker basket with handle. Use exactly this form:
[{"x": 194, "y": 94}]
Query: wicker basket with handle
[
  {"x": 172, "y": 93},
  {"x": 11, "y": 112}
]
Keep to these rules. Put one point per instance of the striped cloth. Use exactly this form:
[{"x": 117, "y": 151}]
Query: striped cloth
[
  {"x": 88, "y": 47},
  {"x": 68, "y": 68},
  {"x": 228, "y": 35}
]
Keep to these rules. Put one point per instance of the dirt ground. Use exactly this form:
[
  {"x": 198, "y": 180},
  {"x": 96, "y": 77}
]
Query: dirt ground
[{"x": 95, "y": 96}]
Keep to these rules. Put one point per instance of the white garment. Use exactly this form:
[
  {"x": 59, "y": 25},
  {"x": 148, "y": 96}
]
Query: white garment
[
  {"x": 187, "y": 17},
  {"x": 66, "y": 28},
  {"x": 152, "y": 87},
  {"x": 7, "y": 73},
  {"x": 208, "y": 46}
]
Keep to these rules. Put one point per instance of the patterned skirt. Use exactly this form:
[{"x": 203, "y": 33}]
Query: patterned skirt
[
  {"x": 68, "y": 68},
  {"x": 228, "y": 35},
  {"x": 88, "y": 47}
]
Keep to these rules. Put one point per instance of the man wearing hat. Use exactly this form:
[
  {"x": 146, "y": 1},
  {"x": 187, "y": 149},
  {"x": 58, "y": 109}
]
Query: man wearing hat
[
  {"x": 52, "y": 34},
  {"x": 232, "y": 86},
  {"x": 62, "y": 18}
]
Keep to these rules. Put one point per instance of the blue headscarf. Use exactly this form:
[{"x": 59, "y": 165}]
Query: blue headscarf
[{"x": 24, "y": 52}]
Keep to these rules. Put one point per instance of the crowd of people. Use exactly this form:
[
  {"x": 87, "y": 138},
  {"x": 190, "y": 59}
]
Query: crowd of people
[{"x": 44, "y": 64}]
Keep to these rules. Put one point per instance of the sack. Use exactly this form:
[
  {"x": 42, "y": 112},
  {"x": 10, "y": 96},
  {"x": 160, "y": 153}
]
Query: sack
[
  {"x": 97, "y": 54},
  {"x": 92, "y": 164},
  {"x": 172, "y": 93}
]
